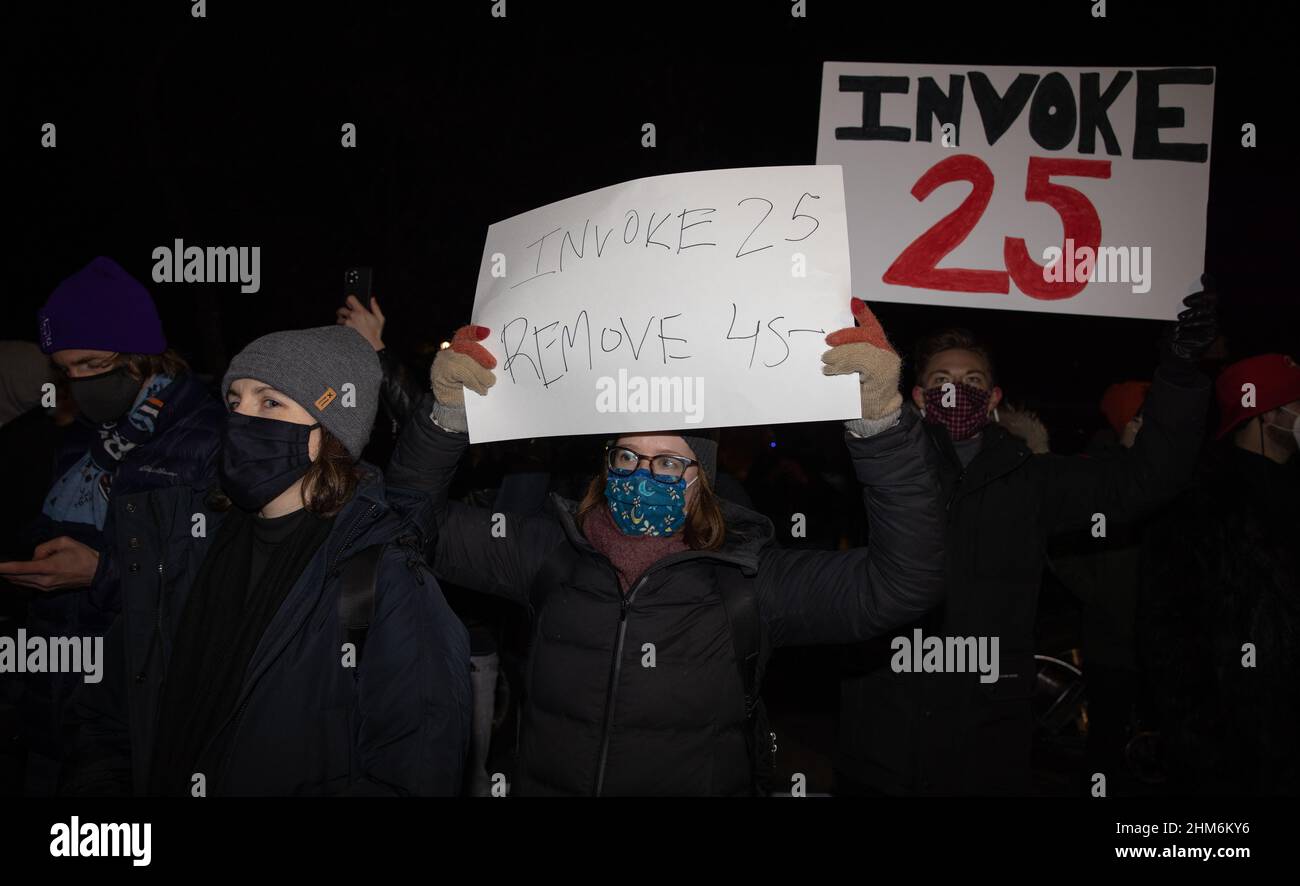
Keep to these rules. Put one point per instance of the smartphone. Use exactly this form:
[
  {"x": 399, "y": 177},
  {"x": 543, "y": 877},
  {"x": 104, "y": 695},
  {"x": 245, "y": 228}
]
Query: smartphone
[{"x": 356, "y": 281}]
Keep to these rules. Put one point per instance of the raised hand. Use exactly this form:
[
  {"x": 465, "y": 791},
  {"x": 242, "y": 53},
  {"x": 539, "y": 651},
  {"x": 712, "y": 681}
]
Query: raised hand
[
  {"x": 466, "y": 364},
  {"x": 1198, "y": 324},
  {"x": 367, "y": 321},
  {"x": 865, "y": 350}
]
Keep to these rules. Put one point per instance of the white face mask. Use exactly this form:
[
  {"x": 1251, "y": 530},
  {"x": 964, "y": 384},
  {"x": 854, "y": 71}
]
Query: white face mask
[
  {"x": 685, "y": 507},
  {"x": 1294, "y": 428}
]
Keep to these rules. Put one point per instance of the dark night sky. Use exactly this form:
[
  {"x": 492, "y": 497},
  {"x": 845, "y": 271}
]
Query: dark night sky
[{"x": 226, "y": 131}]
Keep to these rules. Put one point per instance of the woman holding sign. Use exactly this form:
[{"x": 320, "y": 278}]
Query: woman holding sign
[{"x": 655, "y": 604}]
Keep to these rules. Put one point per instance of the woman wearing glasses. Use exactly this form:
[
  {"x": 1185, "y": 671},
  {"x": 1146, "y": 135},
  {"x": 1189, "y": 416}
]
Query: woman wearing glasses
[{"x": 643, "y": 594}]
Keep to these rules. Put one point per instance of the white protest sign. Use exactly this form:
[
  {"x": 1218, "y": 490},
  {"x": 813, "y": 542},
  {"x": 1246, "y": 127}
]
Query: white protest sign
[
  {"x": 1066, "y": 190},
  {"x": 678, "y": 302}
]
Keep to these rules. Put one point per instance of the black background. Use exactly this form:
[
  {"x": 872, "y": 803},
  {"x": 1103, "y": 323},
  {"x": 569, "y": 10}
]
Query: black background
[
  {"x": 226, "y": 131},
  {"x": 779, "y": 841}
]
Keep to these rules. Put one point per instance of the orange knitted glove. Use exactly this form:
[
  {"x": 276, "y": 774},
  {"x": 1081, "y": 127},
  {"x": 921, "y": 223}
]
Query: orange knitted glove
[
  {"x": 466, "y": 364},
  {"x": 865, "y": 350}
]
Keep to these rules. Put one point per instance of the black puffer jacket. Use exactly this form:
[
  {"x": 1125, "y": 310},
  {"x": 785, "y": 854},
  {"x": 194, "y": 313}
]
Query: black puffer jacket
[{"x": 598, "y": 721}]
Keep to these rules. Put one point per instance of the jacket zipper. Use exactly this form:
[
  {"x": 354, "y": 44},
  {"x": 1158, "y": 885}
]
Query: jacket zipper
[
  {"x": 156, "y": 636},
  {"x": 352, "y": 533},
  {"x": 248, "y": 694},
  {"x": 956, "y": 490},
  {"x": 961, "y": 475},
  {"x": 158, "y": 625},
  {"x": 615, "y": 666}
]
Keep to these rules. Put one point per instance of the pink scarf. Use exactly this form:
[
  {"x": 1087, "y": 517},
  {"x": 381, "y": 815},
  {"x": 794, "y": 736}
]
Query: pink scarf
[{"x": 631, "y": 555}]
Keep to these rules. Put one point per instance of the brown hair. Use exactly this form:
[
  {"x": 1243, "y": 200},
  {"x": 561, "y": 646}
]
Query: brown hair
[
  {"x": 328, "y": 485},
  {"x": 951, "y": 339},
  {"x": 142, "y": 366},
  {"x": 332, "y": 479},
  {"x": 705, "y": 529}
]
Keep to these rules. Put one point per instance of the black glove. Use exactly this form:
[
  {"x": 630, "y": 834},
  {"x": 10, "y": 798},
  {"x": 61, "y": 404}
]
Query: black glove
[{"x": 1198, "y": 324}]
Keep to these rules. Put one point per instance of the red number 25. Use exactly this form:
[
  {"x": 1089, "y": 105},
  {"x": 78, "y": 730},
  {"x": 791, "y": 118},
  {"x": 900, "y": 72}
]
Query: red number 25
[{"x": 915, "y": 266}]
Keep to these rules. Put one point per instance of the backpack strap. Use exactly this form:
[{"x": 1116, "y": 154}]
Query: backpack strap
[{"x": 357, "y": 597}]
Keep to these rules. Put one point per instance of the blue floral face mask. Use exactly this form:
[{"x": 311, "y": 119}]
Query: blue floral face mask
[{"x": 641, "y": 505}]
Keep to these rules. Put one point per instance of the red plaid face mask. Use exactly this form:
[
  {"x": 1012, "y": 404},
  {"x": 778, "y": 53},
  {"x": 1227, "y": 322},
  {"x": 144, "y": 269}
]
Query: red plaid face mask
[{"x": 966, "y": 414}]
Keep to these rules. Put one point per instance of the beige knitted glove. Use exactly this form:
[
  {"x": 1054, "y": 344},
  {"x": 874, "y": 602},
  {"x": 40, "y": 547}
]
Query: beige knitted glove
[
  {"x": 865, "y": 350},
  {"x": 466, "y": 364}
]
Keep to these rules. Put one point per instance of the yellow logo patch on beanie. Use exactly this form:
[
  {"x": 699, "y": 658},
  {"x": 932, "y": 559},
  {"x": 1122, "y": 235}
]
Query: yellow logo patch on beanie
[{"x": 326, "y": 398}]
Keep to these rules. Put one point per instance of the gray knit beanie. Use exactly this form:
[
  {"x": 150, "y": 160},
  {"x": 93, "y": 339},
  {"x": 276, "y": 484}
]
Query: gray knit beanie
[
  {"x": 704, "y": 444},
  {"x": 331, "y": 371}
]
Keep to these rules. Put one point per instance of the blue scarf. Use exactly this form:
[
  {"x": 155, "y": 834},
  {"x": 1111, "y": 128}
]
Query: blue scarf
[{"x": 81, "y": 494}]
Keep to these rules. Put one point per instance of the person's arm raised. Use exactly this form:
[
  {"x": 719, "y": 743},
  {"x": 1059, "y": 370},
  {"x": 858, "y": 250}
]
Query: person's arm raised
[
  {"x": 476, "y": 548},
  {"x": 811, "y": 597},
  {"x": 1163, "y": 456},
  {"x": 430, "y": 447},
  {"x": 398, "y": 392}
]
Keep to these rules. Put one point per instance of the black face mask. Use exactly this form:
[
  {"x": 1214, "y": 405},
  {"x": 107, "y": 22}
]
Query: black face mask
[
  {"x": 262, "y": 457},
  {"x": 105, "y": 397}
]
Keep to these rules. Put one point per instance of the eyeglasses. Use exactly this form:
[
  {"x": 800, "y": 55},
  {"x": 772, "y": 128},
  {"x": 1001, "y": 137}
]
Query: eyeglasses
[{"x": 623, "y": 462}]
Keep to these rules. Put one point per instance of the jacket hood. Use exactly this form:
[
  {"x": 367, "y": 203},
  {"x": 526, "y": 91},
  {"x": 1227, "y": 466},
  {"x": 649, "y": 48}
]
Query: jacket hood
[{"x": 1027, "y": 426}]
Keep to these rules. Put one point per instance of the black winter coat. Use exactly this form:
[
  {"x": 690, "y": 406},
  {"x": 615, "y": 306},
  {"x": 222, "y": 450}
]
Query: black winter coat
[
  {"x": 1220, "y": 569},
  {"x": 182, "y": 453},
  {"x": 398, "y": 392},
  {"x": 598, "y": 722},
  {"x": 305, "y": 725},
  {"x": 932, "y": 733}
]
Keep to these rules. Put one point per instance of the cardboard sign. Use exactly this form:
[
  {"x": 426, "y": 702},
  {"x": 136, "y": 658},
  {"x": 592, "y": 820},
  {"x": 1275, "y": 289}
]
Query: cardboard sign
[
  {"x": 1066, "y": 190},
  {"x": 678, "y": 302}
]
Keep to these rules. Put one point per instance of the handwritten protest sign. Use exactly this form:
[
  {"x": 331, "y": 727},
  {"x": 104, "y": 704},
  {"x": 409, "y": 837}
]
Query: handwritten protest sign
[
  {"x": 1067, "y": 190},
  {"x": 680, "y": 302}
]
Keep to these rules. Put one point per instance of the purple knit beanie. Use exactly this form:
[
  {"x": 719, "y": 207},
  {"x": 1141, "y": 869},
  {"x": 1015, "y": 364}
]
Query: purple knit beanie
[{"x": 102, "y": 308}]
